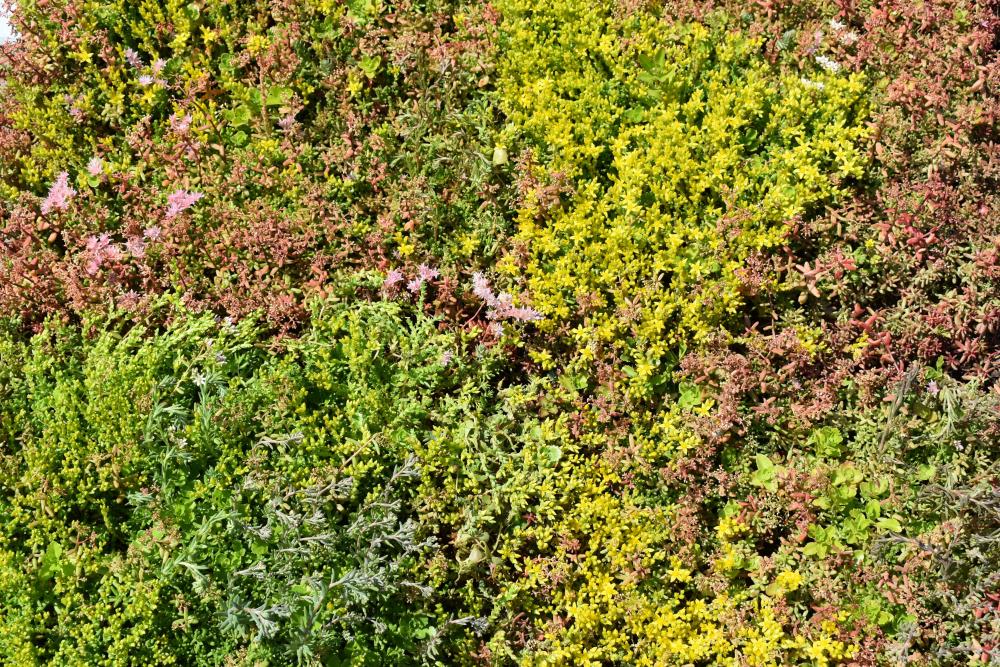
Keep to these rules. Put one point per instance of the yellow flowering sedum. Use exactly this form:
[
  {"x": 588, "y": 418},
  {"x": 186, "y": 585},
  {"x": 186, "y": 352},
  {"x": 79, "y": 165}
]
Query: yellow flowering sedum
[
  {"x": 686, "y": 152},
  {"x": 788, "y": 581}
]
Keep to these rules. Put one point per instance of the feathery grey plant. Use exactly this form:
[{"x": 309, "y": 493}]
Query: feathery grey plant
[{"x": 324, "y": 570}]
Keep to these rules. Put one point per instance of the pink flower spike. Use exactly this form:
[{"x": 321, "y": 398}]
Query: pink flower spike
[
  {"x": 415, "y": 285},
  {"x": 59, "y": 194},
  {"x": 97, "y": 243},
  {"x": 480, "y": 285},
  {"x": 99, "y": 249},
  {"x": 152, "y": 233},
  {"x": 96, "y": 166},
  {"x": 180, "y": 201},
  {"x": 523, "y": 314},
  {"x": 501, "y": 306},
  {"x": 128, "y": 300},
  {"x": 481, "y": 288}
]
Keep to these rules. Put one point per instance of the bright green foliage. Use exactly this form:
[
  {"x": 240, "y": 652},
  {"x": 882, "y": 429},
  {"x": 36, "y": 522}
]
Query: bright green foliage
[
  {"x": 161, "y": 487},
  {"x": 186, "y": 496},
  {"x": 683, "y": 152}
]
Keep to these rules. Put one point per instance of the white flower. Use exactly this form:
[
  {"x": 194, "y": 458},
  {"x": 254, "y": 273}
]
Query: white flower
[{"x": 829, "y": 64}]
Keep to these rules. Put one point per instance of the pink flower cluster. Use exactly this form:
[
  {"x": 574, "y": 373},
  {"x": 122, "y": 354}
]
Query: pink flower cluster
[
  {"x": 133, "y": 58},
  {"x": 59, "y": 195},
  {"x": 424, "y": 275},
  {"x": 136, "y": 246},
  {"x": 180, "y": 124},
  {"x": 100, "y": 249},
  {"x": 501, "y": 306},
  {"x": 180, "y": 201}
]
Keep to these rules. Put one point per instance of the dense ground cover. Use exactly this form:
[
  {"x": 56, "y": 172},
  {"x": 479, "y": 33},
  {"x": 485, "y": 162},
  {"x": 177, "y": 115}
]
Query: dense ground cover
[{"x": 544, "y": 333}]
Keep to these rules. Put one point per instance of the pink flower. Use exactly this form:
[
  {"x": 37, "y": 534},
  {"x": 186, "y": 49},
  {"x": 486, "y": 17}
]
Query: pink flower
[
  {"x": 97, "y": 243},
  {"x": 522, "y": 314},
  {"x": 145, "y": 80},
  {"x": 136, "y": 246},
  {"x": 128, "y": 300},
  {"x": 99, "y": 250},
  {"x": 505, "y": 310},
  {"x": 427, "y": 273},
  {"x": 96, "y": 166},
  {"x": 446, "y": 358},
  {"x": 501, "y": 306},
  {"x": 152, "y": 233},
  {"x": 287, "y": 123},
  {"x": 481, "y": 288},
  {"x": 415, "y": 285},
  {"x": 158, "y": 65},
  {"x": 180, "y": 124},
  {"x": 393, "y": 278},
  {"x": 59, "y": 194},
  {"x": 133, "y": 58},
  {"x": 180, "y": 201}
]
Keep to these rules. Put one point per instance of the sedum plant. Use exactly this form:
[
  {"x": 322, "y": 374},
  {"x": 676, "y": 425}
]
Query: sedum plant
[
  {"x": 674, "y": 153},
  {"x": 186, "y": 497}
]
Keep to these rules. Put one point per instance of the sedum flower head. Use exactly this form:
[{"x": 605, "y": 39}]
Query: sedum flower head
[
  {"x": 393, "y": 278},
  {"x": 133, "y": 58},
  {"x": 59, "y": 194},
  {"x": 180, "y": 201}
]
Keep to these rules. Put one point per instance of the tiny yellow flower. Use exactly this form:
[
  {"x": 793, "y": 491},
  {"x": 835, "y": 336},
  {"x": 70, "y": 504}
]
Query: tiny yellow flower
[
  {"x": 788, "y": 580},
  {"x": 676, "y": 572}
]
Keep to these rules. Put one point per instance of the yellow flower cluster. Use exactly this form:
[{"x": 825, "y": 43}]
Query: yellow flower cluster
[
  {"x": 686, "y": 153},
  {"x": 600, "y": 566}
]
